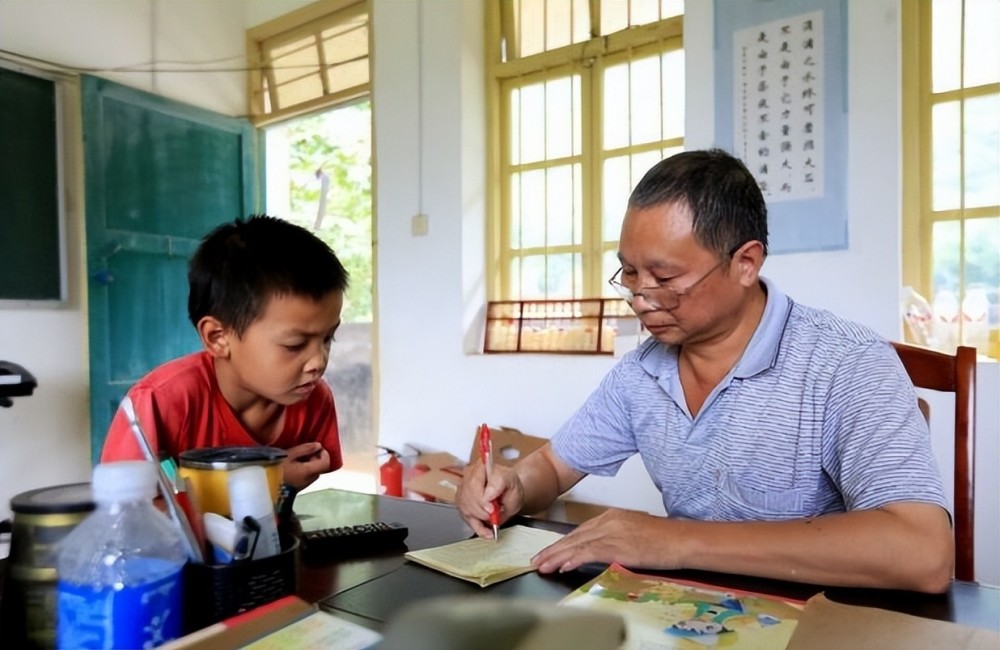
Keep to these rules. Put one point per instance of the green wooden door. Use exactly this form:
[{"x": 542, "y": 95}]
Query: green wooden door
[{"x": 159, "y": 175}]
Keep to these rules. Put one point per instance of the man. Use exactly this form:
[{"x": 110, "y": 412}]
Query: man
[{"x": 786, "y": 442}]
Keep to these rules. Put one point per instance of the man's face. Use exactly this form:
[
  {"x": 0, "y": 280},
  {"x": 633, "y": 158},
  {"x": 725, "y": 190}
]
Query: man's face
[
  {"x": 660, "y": 258},
  {"x": 282, "y": 354}
]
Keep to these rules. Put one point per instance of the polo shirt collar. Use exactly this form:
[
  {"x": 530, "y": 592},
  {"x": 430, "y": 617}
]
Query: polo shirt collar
[{"x": 762, "y": 351}]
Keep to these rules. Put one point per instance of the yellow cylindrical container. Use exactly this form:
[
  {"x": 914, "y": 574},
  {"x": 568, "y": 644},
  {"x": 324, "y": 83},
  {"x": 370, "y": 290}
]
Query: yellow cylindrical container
[
  {"x": 42, "y": 518},
  {"x": 207, "y": 471}
]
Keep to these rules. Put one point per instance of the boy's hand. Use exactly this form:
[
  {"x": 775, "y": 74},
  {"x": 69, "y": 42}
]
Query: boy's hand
[{"x": 304, "y": 464}]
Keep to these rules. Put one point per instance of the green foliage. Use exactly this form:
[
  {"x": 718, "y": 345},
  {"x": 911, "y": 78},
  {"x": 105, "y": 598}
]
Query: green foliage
[{"x": 338, "y": 143}]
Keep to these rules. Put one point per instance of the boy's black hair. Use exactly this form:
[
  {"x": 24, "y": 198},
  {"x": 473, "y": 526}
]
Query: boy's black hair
[
  {"x": 727, "y": 206},
  {"x": 241, "y": 265}
]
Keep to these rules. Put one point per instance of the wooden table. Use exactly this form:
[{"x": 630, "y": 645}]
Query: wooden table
[{"x": 371, "y": 589}]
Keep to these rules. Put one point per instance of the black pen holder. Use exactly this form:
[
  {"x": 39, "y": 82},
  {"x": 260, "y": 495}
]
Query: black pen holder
[{"x": 214, "y": 592}]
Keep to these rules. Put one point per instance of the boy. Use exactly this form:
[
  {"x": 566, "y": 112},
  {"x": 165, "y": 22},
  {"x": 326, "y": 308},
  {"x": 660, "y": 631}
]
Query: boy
[{"x": 265, "y": 297}]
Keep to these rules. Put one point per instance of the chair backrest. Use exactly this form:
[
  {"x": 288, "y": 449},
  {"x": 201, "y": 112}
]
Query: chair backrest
[{"x": 939, "y": 371}]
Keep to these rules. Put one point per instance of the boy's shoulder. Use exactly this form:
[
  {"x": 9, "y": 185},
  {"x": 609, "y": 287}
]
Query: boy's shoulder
[{"x": 192, "y": 370}]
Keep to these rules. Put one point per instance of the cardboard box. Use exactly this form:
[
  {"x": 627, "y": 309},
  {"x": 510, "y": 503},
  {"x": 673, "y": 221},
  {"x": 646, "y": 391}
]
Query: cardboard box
[
  {"x": 435, "y": 476},
  {"x": 509, "y": 445}
]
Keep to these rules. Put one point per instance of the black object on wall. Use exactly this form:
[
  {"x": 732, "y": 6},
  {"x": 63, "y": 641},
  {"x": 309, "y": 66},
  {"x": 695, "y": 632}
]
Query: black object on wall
[
  {"x": 30, "y": 240},
  {"x": 15, "y": 381}
]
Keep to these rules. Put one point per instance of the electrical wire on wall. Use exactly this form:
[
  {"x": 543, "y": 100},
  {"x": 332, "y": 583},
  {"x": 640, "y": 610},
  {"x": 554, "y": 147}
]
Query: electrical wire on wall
[{"x": 420, "y": 107}]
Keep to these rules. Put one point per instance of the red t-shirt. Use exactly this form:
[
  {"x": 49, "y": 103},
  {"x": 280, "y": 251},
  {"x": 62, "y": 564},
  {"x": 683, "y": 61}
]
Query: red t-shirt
[{"x": 180, "y": 407}]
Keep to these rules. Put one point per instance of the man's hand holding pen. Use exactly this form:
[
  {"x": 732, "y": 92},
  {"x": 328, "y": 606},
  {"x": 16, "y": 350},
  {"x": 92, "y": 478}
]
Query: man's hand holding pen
[
  {"x": 477, "y": 496},
  {"x": 486, "y": 454}
]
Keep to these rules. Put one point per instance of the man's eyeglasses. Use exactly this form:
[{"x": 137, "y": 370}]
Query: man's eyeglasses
[{"x": 662, "y": 296}]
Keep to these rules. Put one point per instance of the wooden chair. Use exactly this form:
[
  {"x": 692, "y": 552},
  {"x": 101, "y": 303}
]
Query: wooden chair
[{"x": 939, "y": 371}]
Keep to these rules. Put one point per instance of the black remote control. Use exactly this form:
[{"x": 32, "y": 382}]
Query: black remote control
[{"x": 351, "y": 541}]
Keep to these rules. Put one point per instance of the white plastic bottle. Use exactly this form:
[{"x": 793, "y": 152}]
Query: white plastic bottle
[
  {"x": 250, "y": 496},
  {"x": 119, "y": 571}
]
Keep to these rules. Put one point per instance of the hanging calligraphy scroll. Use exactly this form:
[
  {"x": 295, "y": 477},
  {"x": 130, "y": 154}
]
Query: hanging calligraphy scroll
[{"x": 781, "y": 96}]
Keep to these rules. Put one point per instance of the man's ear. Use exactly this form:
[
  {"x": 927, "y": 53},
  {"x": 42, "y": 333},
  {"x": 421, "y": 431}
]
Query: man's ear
[
  {"x": 214, "y": 336},
  {"x": 748, "y": 261}
]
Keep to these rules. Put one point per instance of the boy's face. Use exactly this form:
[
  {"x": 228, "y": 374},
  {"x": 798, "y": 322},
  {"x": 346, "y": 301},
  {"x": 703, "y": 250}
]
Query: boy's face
[{"x": 282, "y": 354}]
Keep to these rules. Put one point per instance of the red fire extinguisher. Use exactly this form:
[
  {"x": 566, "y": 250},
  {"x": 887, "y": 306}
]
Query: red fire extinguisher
[{"x": 390, "y": 474}]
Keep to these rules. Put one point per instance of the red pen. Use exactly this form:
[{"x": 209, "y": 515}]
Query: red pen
[{"x": 486, "y": 452}]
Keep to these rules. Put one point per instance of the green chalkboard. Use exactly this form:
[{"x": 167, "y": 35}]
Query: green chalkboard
[
  {"x": 31, "y": 263},
  {"x": 159, "y": 174}
]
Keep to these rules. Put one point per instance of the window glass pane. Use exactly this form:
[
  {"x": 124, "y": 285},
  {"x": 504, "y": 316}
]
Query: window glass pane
[
  {"x": 347, "y": 75},
  {"x": 946, "y": 36},
  {"x": 302, "y": 90},
  {"x": 345, "y": 42},
  {"x": 946, "y": 155},
  {"x": 644, "y": 12},
  {"x": 515, "y": 213},
  {"x": 945, "y": 282},
  {"x": 581, "y": 20},
  {"x": 295, "y": 62},
  {"x": 530, "y": 26},
  {"x": 515, "y": 126},
  {"x": 532, "y": 131},
  {"x": 982, "y": 47},
  {"x": 645, "y": 96},
  {"x": 672, "y": 8},
  {"x": 982, "y": 151},
  {"x": 616, "y": 100},
  {"x": 982, "y": 273},
  {"x": 558, "y": 23},
  {"x": 552, "y": 276},
  {"x": 617, "y": 15},
  {"x": 562, "y": 100},
  {"x": 531, "y": 200},
  {"x": 673, "y": 94},
  {"x": 617, "y": 186},
  {"x": 563, "y": 206},
  {"x": 515, "y": 277},
  {"x": 614, "y": 16},
  {"x": 621, "y": 175}
]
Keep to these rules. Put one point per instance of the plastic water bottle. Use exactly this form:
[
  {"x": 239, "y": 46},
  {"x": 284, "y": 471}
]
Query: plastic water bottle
[{"x": 119, "y": 571}]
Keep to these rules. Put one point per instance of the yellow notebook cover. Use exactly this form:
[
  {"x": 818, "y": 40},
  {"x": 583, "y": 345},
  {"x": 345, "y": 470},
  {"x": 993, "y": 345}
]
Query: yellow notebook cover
[
  {"x": 664, "y": 614},
  {"x": 484, "y": 561}
]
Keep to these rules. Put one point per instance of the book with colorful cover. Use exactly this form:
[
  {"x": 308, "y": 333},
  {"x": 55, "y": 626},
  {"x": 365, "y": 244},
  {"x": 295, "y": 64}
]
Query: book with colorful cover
[{"x": 665, "y": 614}]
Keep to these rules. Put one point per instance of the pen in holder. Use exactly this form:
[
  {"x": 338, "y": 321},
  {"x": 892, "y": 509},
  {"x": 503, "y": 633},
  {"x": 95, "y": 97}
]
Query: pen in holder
[{"x": 245, "y": 548}]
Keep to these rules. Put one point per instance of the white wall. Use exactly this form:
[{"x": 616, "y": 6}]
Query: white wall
[{"x": 428, "y": 111}]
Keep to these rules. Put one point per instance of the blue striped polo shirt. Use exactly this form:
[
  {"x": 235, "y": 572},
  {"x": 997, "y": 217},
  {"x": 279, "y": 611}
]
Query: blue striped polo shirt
[{"x": 817, "y": 416}]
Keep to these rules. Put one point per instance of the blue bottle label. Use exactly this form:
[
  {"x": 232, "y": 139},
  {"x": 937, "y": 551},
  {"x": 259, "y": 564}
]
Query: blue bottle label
[{"x": 140, "y": 616}]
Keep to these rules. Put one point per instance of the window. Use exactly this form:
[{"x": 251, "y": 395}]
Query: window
[
  {"x": 308, "y": 59},
  {"x": 583, "y": 104},
  {"x": 951, "y": 204}
]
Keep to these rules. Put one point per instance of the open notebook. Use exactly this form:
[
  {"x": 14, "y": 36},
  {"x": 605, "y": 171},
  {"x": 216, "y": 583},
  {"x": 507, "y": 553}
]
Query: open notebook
[{"x": 484, "y": 561}]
